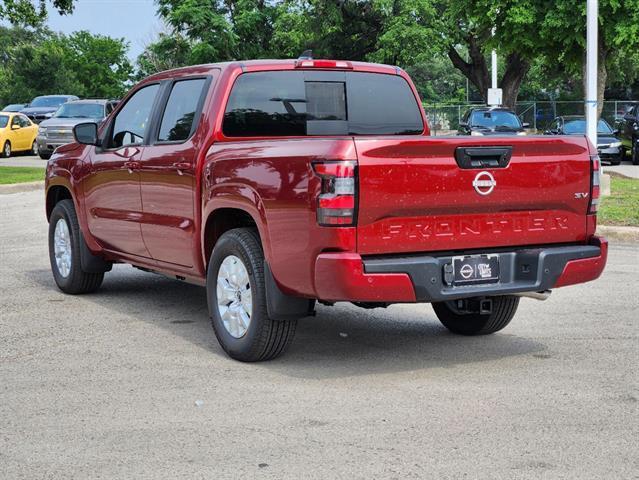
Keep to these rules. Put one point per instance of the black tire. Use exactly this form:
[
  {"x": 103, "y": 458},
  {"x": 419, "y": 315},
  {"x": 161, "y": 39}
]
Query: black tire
[
  {"x": 77, "y": 281},
  {"x": 34, "y": 148},
  {"x": 503, "y": 311},
  {"x": 6, "y": 150},
  {"x": 634, "y": 154},
  {"x": 45, "y": 156},
  {"x": 264, "y": 338}
]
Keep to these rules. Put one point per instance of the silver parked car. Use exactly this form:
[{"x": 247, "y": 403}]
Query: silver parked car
[{"x": 58, "y": 130}]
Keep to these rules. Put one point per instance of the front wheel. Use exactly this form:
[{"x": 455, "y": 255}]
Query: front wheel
[
  {"x": 635, "y": 152},
  {"x": 65, "y": 252},
  {"x": 236, "y": 294},
  {"x": 465, "y": 317},
  {"x": 44, "y": 156}
]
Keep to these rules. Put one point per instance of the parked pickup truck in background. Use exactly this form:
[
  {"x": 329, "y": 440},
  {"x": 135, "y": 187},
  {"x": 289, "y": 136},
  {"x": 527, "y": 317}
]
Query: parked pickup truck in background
[{"x": 277, "y": 184}]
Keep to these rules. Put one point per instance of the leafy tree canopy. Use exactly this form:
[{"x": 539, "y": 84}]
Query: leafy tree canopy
[
  {"x": 31, "y": 12},
  {"x": 40, "y": 62}
]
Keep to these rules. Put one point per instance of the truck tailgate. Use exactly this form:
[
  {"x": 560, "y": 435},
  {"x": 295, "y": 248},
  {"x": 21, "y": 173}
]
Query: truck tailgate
[{"x": 415, "y": 197}]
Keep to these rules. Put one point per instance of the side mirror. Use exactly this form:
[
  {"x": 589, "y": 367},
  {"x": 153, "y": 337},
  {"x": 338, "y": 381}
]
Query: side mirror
[
  {"x": 15, "y": 127},
  {"x": 525, "y": 125},
  {"x": 463, "y": 125},
  {"x": 615, "y": 131},
  {"x": 86, "y": 133}
]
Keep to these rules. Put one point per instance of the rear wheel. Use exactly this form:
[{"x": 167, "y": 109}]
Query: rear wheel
[
  {"x": 45, "y": 156},
  {"x": 65, "y": 252},
  {"x": 6, "y": 149},
  {"x": 472, "y": 317},
  {"x": 634, "y": 154},
  {"x": 34, "y": 148},
  {"x": 236, "y": 294}
]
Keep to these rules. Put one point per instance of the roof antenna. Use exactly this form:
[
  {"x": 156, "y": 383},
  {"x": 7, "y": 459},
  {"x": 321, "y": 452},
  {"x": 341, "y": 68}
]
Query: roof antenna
[{"x": 306, "y": 55}]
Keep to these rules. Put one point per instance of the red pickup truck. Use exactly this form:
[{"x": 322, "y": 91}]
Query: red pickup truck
[{"x": 277, "y": 184}]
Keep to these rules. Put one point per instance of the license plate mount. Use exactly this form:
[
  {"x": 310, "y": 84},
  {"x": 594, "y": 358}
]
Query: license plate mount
[{"x": 475, "y": 269}]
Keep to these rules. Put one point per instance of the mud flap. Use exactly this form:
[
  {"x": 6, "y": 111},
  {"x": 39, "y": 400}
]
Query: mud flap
[
  {"x": 92, "y": 263},
  {"x": 281, "y": 306}
]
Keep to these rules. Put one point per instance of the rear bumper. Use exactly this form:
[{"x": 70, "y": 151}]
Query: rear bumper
[{"x": 348, "y": 277}]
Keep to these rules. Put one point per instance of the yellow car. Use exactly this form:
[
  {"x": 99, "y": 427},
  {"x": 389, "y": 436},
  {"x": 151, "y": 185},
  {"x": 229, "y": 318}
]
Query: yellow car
[{"x": 17, "y": 134}]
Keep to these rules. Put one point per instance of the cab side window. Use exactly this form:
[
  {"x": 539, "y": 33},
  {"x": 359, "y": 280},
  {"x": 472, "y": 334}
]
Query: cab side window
[
  {"x": 131, "y": 122},
  {"x": 178, "y": 119},
  {"x": 24, "y": 121}
]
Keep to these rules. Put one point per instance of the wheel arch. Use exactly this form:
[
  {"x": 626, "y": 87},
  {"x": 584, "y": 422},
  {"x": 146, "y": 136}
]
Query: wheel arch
[
  {"x": 55, "y": 194},
  {"x": 223, "y": 219}
]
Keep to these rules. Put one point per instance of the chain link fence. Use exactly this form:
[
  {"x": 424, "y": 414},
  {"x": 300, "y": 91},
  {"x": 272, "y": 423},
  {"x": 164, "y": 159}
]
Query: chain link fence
[{"x": 444, "y": 119}]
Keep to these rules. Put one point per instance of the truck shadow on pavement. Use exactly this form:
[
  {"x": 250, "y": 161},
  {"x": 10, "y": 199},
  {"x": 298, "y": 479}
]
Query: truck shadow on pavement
[{"x": 340, "y": 341}]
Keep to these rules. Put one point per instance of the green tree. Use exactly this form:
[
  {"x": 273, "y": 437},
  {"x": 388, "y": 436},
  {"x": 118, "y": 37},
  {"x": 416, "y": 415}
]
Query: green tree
[
  {"x": 563, "y": 33},
  {"x": 41, "y": 62},
  {"x": 99, "y": 63},
  {"x": 546, "y": 37},
  {"x": 470, "y": 24},
  {"x": 341, "y": 29},
  {"x": 165, "y": 53},
  {"x": 437, "y": 82},
  {"x": 37, "y": 69},
  {"x": 31, "y": 12},
  {"x": 221, "y": 30}
]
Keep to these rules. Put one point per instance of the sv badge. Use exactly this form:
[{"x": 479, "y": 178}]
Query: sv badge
[{"x": 581, "y": 195}]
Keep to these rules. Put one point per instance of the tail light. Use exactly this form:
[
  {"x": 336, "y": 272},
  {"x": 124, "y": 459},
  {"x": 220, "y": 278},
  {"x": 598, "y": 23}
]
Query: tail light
[
  {"x": 336, "y": 202},
  {"x": 595, "y": 172}
]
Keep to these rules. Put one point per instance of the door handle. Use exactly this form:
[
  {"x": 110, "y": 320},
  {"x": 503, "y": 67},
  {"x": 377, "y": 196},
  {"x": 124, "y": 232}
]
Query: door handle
[
  {"x": 180, "y": 166},
  {"x": 132, "y": 165}
]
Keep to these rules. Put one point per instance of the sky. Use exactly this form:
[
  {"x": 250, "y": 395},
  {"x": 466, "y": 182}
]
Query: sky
[{"x": 133, "y": 20}]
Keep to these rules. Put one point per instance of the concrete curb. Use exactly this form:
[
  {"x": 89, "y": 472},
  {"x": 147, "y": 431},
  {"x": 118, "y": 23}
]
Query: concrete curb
[
  {"x": 21, "y": 187},
  {"x": 619, "y": 234}
]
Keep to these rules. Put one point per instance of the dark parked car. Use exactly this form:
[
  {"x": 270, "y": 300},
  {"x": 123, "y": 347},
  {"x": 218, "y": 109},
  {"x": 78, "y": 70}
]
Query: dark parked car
[
  {"x": 45, "y": 106},
  {"x": 14, "y": 107},
  {"x": 491, "y": 121},
  {"x": 608, "y": 145},
  {"x": 58, "y": 130},
  {"x": 629, "y": 133},
  {"x": 544, "y": 116}
]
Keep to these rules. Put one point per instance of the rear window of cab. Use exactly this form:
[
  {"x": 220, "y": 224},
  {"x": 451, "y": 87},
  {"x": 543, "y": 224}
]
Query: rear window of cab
[
  {"x": 306, "y": 103},
  {"x": 4, "y": 121}
]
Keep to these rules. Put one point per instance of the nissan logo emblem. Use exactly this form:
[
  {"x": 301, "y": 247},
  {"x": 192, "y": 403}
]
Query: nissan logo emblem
[{"x": 484, "y": 183}]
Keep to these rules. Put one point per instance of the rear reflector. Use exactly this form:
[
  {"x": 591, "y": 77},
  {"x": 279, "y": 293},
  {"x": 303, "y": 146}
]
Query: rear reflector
[
  {"x": 323, "y": 64},
  {"x": 336, "y": 202},
  {"x": 595, "y": 172}
]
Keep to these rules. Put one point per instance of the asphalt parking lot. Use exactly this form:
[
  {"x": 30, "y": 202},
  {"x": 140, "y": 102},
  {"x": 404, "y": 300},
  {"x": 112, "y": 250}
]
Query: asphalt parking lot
[{"x": 130, "y": 383}]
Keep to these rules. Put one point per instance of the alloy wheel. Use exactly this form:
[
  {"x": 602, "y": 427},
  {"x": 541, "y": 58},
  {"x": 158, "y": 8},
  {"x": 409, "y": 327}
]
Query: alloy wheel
[
  {"x": 234, "y": 296},
  {"x": 62, "y": 247}
]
